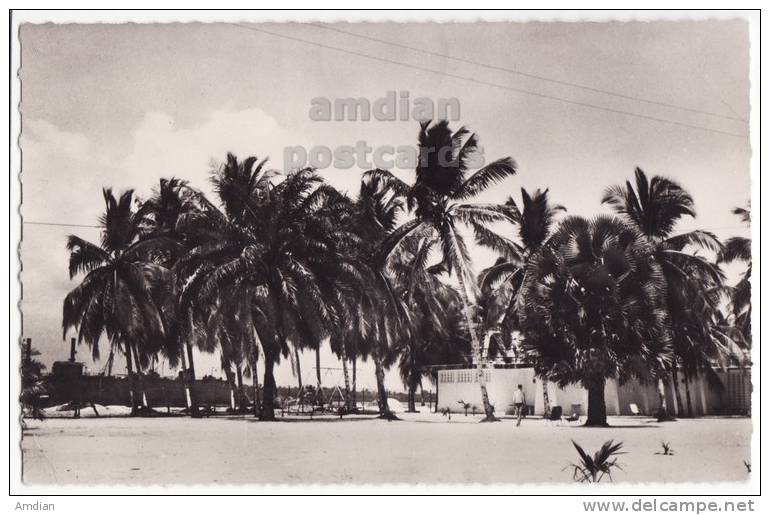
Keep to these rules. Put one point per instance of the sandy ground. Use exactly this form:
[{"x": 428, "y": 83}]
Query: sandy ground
[{"x": 421, "y": 448}]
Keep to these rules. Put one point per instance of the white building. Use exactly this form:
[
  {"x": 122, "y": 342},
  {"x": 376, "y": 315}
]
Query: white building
[{"x": 456, "y": 386}]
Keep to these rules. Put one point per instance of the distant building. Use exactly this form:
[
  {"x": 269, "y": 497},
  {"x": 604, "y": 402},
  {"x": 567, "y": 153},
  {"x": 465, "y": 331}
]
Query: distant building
[{"x": 731, "y": 396}]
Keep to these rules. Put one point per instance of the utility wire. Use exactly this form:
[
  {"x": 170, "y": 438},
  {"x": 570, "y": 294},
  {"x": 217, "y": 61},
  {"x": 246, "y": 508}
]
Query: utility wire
[
  {"x": 533, "y": 75},
  {"x": 494, "y": 85},
  {"x": 55, "y": 224}
]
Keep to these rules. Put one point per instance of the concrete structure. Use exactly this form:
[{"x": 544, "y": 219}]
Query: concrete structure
[{"x": 457, "y": 386}]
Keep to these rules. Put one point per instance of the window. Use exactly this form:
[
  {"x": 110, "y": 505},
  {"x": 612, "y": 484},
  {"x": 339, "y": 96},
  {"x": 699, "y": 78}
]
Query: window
[
  {"x": 487, "y": 376},
  {"x": 462, "y": 376}
]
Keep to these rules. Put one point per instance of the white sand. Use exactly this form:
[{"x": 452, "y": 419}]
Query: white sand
[{"x": 422, "y": 448}]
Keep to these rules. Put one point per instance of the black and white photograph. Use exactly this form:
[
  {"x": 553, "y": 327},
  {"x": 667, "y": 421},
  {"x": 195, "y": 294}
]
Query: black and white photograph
[{"x": 436, "y": 252}]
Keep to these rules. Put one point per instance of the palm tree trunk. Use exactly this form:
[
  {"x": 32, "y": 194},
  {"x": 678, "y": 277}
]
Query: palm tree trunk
[
  {"x": 131, "y": 380},
  {"x": 267, "y": 411},
  {"x": 190, "y": 379},
  {"x": 239, "y": 376},
  {"x": 143, "y": 398},
  {"x": 298, "y": 369},
  {"x": 231, "y": 383},
  {"x": 237, "y": 392},
  {"x": 255, "y": 380},
  {"x": 353, "y": 389},
  {"x": 347, "y": 377},
  {"x": 690, "y": 412},
  {"x": 435, "y": 399},
  {"x": 663, "y": 409},
  {"x": 597, "y": 409},
  {"x": 191, "y": 368},
  {"x": 382, "y": 394},
  {"x": 477, "y": 349},
  {"x": 546, "y": 399},
  {"x": 675, "y": 377},
  {"x": 319, "y": 390},
  {"x": 244, "y": 400},
  {"x": 412, "y": 407},
  {"x": 110, "y": 360}
]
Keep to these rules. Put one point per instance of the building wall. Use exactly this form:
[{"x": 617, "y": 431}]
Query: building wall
[
  {"x": 462, "y": 385},
  {"x": 735, "y": 396}
]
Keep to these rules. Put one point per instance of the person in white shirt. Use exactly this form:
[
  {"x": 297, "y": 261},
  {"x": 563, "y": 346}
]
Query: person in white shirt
[{"x": 519, "y": 403}]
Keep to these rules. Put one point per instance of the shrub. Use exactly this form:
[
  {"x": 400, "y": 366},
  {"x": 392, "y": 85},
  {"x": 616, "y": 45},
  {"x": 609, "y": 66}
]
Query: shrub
[
  {"x": 593, "y": 469},
  {"x": 667, "y": 449}
]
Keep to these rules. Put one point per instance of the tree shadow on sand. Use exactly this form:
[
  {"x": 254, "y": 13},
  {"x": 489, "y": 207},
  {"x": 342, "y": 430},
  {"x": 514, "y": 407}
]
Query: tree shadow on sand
[{"x": 306, "y": 419}]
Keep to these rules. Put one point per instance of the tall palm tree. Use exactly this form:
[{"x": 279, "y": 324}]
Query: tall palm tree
[
  {"x": 159, "y": 219},
  {"x": 654, "y": 206},
  {"x": 123, "y": 292},
  {"x": 374, "y": 219},
  {"x": 502, "y": 281},
  {"x": 217, "y": 237},
  {"x": 441, "y": 196},
  {"x": 594, "y": 308}
]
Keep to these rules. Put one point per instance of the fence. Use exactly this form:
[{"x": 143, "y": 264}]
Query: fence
[{"x": 159, "y": 391}]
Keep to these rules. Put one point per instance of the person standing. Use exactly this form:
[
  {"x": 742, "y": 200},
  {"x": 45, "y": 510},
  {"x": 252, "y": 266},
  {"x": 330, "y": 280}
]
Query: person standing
[{"x": 519, "y": 403}]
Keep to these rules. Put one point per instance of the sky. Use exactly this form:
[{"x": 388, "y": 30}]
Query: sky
[{"x": 122, "y": 105}]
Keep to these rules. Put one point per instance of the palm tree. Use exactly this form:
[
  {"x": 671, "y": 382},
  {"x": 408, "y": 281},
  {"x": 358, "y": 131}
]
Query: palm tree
[
  {"x": 274, "y": 241},
  {"x": 440, "y": 195},
  {"x": 219, "y": 237},
  {"x": 434, "y": 334},
  {"x": 350, "y": 331},
  {"x": 31, "y": 368},
  {"x": 159, "y": 219},
  {"x": 502, "y": 281},
  {"x": 346, "y": 296},
  {"x": 122, "y": 294},
  {"x": 594, "y": 307},
  {"x": 32, "y": 384},
  {"x": 374, "y": 219},
  {"x": 418, "y": 291},
  {"x": 229, "y": 324},
  {"x": 654, "y": 206},
  {"x": 738, "y": 248},
  {"x": 357, "y": 344},
  {"x": 700, "y": 335}
]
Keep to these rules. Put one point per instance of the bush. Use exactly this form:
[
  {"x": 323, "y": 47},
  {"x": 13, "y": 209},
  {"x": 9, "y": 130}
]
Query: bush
[{"x": 593, "y": 469}]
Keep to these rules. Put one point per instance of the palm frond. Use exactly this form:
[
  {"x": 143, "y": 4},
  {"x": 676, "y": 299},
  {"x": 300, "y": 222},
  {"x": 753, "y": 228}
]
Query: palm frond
[
  {"x": 699, "y": 238},
  {"x": 735, "y": 249},
  {"x": 487, "y": 176},
  {"x": 84, "y": 256}
]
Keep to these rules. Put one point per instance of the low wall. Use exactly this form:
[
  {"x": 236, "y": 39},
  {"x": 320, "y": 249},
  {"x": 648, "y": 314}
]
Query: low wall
[{"x": 160, "y": 392}]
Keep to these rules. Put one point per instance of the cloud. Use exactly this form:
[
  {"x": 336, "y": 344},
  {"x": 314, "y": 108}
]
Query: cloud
[
  {"x": 162, "y": 149},
  {"x": 42, "y": 139}
]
